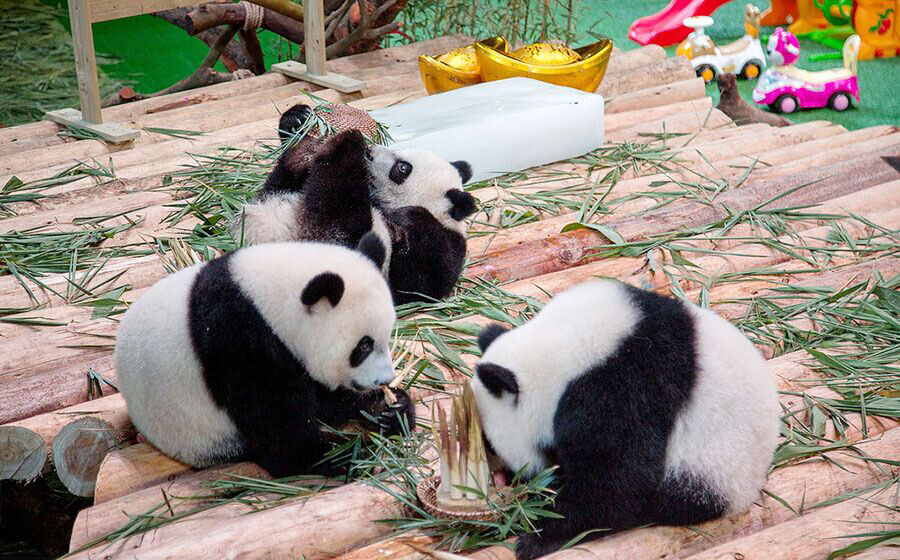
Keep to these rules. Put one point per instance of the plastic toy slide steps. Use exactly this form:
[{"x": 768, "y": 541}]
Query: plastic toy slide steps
[
  {"x": 666, "y": 27},
  {"x": 499, "y": 127}
]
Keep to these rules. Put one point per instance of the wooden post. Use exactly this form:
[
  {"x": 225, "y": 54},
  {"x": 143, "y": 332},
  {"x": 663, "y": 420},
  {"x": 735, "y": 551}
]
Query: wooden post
[
  {"x": 90, "y": 117},
  {"x": 85, "y": 62},
  {"x": 314, "y": 70},
  {"x": 314, "y": 37}
]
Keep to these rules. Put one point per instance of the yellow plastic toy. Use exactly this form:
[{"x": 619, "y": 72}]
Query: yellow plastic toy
[
  {"x": 455, "y": 69},
  {"x": 875, "y": 21},
  {"x": 579, "y": 68}
]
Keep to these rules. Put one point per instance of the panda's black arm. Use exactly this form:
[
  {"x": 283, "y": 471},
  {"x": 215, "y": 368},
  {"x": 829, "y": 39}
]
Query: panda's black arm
[
  {"x": 339, "y": 406},
  {"x": 426, "y": 257},
  {"x": 338, "y": 183},
  {"x": 280, "y": 432}
]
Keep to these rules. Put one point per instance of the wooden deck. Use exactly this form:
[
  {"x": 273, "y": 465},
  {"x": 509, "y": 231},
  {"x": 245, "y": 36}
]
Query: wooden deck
[{"x": 745, "y": 219}]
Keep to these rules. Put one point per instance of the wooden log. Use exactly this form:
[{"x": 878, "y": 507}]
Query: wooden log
[
  {"x": 52, "y": 386},
  {"x": 626, "y": 119},
  {"x": 809, "y": 155},
  {"x": 665, "y": 71},
  {"x": 720, "y": 159},
  {"x": 635, "y": 59},
  {"x": 864, "y": 202},
  {"x": 397, "y": 547},
  {"x": 78, "y": 450},
  {"x": 804, "y": 483},
  {"x": 693, "y": 88},
  {"x": 725, "y": 160},
  {"x": 23, "y": 454},
  {"x": 534, "y": 257},
  {"x": 110, "y": 409},
  {"x": 123, "y": 471},
  {"x": 813, "y": 535},
  {"x": 106, "y": 516},
  {"x": 325, "y": 525},
  {"x": 680, "y": 123}
]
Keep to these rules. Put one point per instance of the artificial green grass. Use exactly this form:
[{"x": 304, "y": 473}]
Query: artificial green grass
[{"x": 878, "y": 79}]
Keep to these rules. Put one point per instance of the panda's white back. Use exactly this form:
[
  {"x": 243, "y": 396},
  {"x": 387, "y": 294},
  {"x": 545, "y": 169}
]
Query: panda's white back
[
  {"x": 161, "y": 378},
  {"x": 729, "y": 429}
]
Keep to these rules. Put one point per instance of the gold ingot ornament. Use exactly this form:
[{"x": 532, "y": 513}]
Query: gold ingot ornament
[
  {"x": 581, "y": 68},
  {"x": 455, "y": 69},
  {"x": 545, "y": 54}
]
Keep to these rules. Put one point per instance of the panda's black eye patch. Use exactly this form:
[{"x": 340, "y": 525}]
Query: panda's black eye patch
[
  {"x": 361, "y": 352},
  {"x": 400, "y": 171}
]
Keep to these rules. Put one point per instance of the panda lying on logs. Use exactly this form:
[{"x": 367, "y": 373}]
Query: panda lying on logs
[
  {"x": 412, "y": 199},
  {"x": 655, "y": 410},
  {"x": 242, "y": 357}
]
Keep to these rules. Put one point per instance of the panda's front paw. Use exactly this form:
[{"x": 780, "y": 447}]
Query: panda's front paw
[
  {"x": 532, "y": 546},
  {"x": 393, "y": 417},
  {"x": 347, "y": 147}
]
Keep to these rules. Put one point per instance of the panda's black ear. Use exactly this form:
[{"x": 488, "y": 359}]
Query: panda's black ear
[
  {"x": 463, "y": 204},
  {"x": 292, "y": 120},
  {"x": 371, "y": 246},
  {"x": 489, "y": 334},
  {"x": 497, "y": 379},
  {"x": 464, "y": 170},
  {"x": 324, "y": 285}
]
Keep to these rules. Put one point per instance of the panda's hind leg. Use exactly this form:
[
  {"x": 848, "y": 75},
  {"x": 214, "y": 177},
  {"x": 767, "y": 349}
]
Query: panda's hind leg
[{"x": 685, "y": 499}]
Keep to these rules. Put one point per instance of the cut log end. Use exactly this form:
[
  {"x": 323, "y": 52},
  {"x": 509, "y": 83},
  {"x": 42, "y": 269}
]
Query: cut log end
[
  {"x": 23, "y": 454},
  {"x": 78, "y": 450}
]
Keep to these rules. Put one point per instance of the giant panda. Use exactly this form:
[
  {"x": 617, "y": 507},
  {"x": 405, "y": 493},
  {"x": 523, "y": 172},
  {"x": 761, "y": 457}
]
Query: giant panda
[
  {"x": 655, "y": 411},
  {"x": 244, "y": 356},
  {"x": 349, "y": 188}
]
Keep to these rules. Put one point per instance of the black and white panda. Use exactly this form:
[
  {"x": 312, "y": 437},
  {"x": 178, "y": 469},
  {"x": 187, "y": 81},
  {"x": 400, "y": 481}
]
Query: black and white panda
[
  {"x": 349, "y": 188},
  {"x": 655, "y": 410},
  {"x": 242, "y": 357}
]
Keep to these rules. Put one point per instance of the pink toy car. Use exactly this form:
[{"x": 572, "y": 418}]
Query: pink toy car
[{"x": 786, "y": 88}]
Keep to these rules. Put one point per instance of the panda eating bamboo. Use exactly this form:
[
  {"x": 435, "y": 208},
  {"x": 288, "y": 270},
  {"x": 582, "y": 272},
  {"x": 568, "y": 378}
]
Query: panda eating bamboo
[
  {"x": 412, "y": 199},
  {"x": 655, "y": 410},
  {"x": 245, "y": 356}
]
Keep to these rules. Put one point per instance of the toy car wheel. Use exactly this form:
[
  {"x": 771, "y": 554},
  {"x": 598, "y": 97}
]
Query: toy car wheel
[
  {"x": 840, "y": 101},
  {"x": 707, "y": 72},
  {"x": 787, "y": 103},
  {"x": 751, "y": 69}
]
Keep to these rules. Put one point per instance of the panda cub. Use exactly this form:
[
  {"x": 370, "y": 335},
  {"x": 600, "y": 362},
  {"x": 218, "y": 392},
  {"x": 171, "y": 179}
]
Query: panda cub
[
  {"x": 412, "y": 199},
  {"x": 655, "y": 410},
  {"x": 242, "y": 357}
]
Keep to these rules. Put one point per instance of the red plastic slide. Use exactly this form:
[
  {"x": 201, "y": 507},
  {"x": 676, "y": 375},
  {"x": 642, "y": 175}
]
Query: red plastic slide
[{"x": 664, "y": 28}]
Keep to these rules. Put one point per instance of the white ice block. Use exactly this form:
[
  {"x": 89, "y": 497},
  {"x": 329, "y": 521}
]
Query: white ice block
[{"x": 499, "y": 127}]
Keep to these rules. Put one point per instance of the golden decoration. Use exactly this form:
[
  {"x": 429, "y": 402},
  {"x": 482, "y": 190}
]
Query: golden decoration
[
  {"x": 545, "y": 54},
  {"x": 584, "y": 74},
  {"x": 455, "y": 69}
]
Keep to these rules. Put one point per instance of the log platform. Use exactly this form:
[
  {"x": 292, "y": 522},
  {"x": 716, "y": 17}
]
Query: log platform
[{"x": 738, "y": 218}]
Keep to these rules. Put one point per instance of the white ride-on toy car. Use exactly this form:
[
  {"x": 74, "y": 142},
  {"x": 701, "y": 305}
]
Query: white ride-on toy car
[{"x": 744, "y": 57}]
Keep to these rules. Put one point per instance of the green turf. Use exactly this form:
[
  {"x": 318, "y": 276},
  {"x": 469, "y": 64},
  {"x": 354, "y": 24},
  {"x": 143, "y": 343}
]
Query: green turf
[
  {"x": 878, "y": 79},
  {"x": 155, "y": 54}
]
